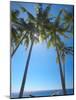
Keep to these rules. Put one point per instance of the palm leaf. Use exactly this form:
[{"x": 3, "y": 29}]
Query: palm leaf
[
  {"x": 58, "y": 18},
  {"x": 23, "y": 9},
  {"x": 47, "y": 10},
  {"x": 14, "y": 15},
  {"x": 28, "y": 13}
]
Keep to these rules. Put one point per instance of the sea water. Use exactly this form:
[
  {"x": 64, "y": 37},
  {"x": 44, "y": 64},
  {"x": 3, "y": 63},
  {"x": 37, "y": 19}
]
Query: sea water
[{"x": 43, "y": 93}]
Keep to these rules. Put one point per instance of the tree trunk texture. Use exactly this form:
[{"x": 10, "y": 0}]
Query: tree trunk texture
[
  {"x": 25, "y": 72},
  {"x": 60, "y": 68},
  {"x": 61, "y": 73}
]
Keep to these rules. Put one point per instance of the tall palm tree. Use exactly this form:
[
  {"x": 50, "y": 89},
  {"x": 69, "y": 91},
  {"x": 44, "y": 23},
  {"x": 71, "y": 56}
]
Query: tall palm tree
[
  {"x": 59, "y": 28},
  {"x": 26, "y": 29},
  {"x": 38, "y": 23},
  {"x": 68, "y": 19}
]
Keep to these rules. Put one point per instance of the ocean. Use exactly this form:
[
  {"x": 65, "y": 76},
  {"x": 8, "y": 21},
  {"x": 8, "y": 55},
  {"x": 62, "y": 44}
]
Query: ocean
[{"x": 43, "y": 93}]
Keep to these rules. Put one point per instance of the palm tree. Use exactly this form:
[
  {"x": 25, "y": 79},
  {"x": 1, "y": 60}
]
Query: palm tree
[
  {"x": 26, "y": 29},
  {"x": 68, "y": 19},
  {"x": 36, "y": 30},
  {"x": 40, "y": 26},
  {"x": 60, "y": 29}
]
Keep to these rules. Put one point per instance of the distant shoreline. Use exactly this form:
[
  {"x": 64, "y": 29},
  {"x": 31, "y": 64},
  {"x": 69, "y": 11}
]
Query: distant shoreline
[{"x": 43, "y": 93}]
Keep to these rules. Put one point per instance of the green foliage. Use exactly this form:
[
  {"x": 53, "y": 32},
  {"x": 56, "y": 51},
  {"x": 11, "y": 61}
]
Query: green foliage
[
  {"x": 14, "y": 15},
  {"x": 46, "y": 11},
  {"x": 49, "y": 44},
  {"x": 23, "y": 9},
  {"x": 42, "y": 25},
  {"x": 58, "y": 18},
  {"x": 30, "y": 16}
]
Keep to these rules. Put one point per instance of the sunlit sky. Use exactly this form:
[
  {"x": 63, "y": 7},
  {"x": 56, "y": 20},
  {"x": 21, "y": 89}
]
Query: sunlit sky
[{"x": 43, "y": 72}]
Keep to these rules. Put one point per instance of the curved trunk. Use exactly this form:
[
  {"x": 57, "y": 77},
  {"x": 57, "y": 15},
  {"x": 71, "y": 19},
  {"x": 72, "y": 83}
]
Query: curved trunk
[
  {"x": 64, "y": 65},
  {"x": 61, "y": 72},
  {"x": 18, "y": 45},
  {"x": 25, "y": 72},
  {"x": 60, "y": 68}
]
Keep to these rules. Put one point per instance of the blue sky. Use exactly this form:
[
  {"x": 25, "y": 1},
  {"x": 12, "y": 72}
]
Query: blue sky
[{"x": 43, "y": 72}]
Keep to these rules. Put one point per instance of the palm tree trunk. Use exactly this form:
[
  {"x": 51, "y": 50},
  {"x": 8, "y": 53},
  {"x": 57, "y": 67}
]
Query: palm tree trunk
[
  {"x": 61, "y": 73},
  {"x": 60, "y": 68},
  {"x": 18, "y": 45},
  {"x": 25, "y": 72},
  {"x": 64, "y": 66}
]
